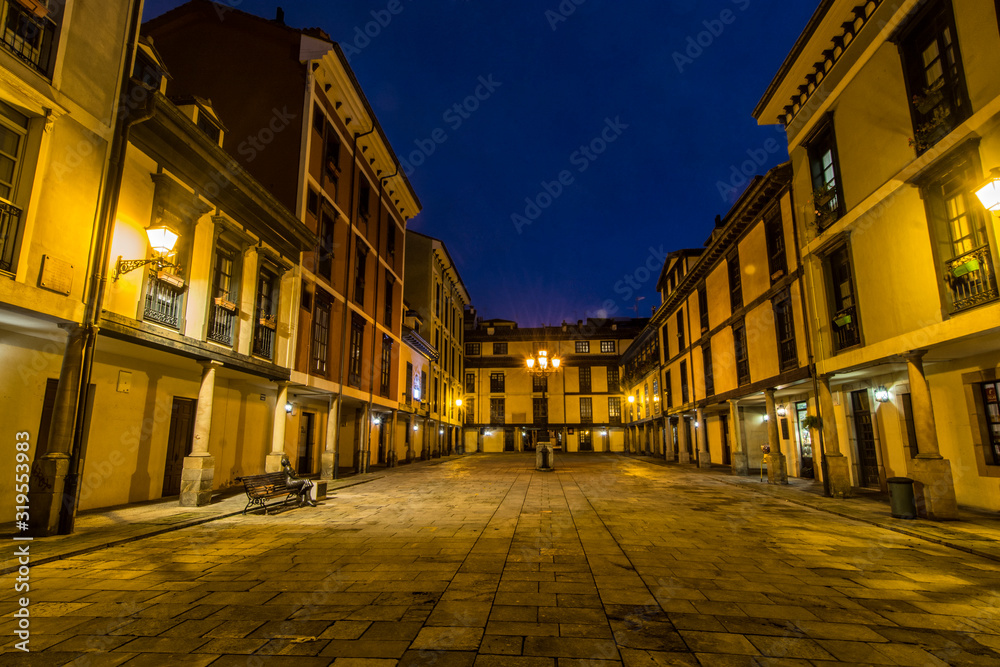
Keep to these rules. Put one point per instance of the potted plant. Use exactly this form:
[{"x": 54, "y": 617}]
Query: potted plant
[
  {"x": 812, "y": 422},
  {"x": 39, "y": 8},
  {"x": 843, "y": 320},
  {"x": 269, "y": 321},
  {"x": 824, "y": 204},
  {"x": 968, "y": 266},
  {"x": 225, "y": 304}
]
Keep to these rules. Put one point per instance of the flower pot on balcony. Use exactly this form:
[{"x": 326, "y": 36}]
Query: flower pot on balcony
[
  {"x": 268, "y": 322},
  {"x": 842, "y": 321},
  {"x": 39, "y": 8},
  {"x": 225, "y": 304},
  {"x": 965, "y": 267},
  {"x": 170, "y": 279}
]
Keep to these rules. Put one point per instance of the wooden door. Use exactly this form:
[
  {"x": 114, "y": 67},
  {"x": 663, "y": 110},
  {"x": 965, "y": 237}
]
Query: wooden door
[
  {"x": 307, "y": 424},
  {"x": 865, "y": 433},
  {"x": 179, "y": 441}
]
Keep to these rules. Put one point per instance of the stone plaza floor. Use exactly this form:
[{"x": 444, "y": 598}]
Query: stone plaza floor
[{"x": 481, "y": 560}]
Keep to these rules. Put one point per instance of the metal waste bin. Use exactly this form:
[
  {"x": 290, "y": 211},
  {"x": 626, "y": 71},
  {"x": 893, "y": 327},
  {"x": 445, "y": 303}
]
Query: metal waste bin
[{"x": 901, "y": 498}]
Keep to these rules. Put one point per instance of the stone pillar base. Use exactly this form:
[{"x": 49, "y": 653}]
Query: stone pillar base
[
  {"x": 196, "y": 481},
  {"x": 704, "y": 459},
  {"x": 741, "y": 464},
  {"x": 840, "y": 475},
  {"x": 544, "y": 457},
  {"x": 326, "y": 465},
  {"x": 934, "y": 489},
  {"x": 48, "y": 481},
  {"x": 683, "y": 456},
  {"x": 272, "y": 463},
  {"x": 777, "y": 470}
]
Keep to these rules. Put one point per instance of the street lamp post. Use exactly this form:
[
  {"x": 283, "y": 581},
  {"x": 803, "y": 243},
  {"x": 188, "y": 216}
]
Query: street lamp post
[{"x": 541, "y": 365}]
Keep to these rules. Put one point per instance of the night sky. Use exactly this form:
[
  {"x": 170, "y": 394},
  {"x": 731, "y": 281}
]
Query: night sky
[{"x": 604, "y": 135}]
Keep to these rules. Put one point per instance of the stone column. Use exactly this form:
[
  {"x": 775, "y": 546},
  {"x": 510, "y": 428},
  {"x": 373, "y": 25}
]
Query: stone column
[
  {"x": 741, "y": 462},
  {"x": 198, "y": 471},
  {"x": 328, "y": 461},
  {"x": 935, "y": 487},
  {"x": 683, "y": 456},
  {"x": 837, "y": 467},
  {"x": 48, "y": 473},
  {"x": 704, "y": 455},
  {"x": 273, "y": 460},
  {"x": 392, "y": 456},
  {"x": 668, "y": 444},
  {"x": 777, "y": 471}
]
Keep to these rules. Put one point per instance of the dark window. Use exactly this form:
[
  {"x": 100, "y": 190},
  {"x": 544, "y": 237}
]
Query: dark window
[
  {"x": 735, "y": 282},
  {"x": 497, "y": 412},
  {"x": 434, "y": 397},
  {"x": 324, "y": 257},
  {"x": 470, "y": 383},
  {"x": 224, "y": 313},
  {"x": 680, "y": 330},
  {"x": 911, "y": 428},
  {"x": 668, "y": 390},
  {"x": 846, "y": 325},
  {"x": 312, "y": 203},
  {"x": 784, "y": 325},
  {"x": 684, "y": 382},
  {"x": 706, "y": 352},
  {"x": 423, "y": 383},
  {"x": 208, "y": 126},
  {"x": 586, "y": 410},
  {"x": 774, "y": 234},
  {"x": 958, "y": 226},
  {"x": 331, "y": 154},
  {"x": 614, "y": 410},
  {"x": 497, "y": 383},
  {"x": 470, "y": 411},
  {"x": 390, "y": 240},
  {"x": 145, "y": 70},
  {"x": 386, "y": 364},
  {"x": 354, "y": 361},
  {"x": 499, "y": 348},
  {"x": 585, "y": 379},
  {"x": 473, "y": 349},
  {"x": 613, "y": 379},
  {"x": 934, "y": 78},
  {"x": 321, "y": 336},
  {"x": 583, "y": 347},
  {"x": 539, "y": 411},
  {"x": 992, "y": 406},
  {"x": 364, "y": 200},
  {"x": 827, "y": 195},
  {"x": 319, "y": 119},
  {"x": 360, "y": 261},
  {"x": 267, "y": 308},
  {"x": 539, "y": 383},
  {"x": 703, "y": 307},
  {"x": 390, "y": 283},
  {"x": 13, "y": 128},
  {"x": 740, "y": 353},
  {"x": 409, "y": 383},
  {"x": 607, "y": 347}
]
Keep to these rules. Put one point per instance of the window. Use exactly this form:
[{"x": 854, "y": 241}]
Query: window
[
  {"x": 740, "y": 354},
  {"x": 354, "y": 361},
  {"x": 645, "y": 398},
  {"x": 437, "y": 300},
  {"x": 607, "y": 347},
  {"x": 613, "y": 379},
  {"x": 409, "y": 383},
  {"x": 331, "y": 154},
  {"x": 656, "y": 396},
  {"x": 497, "y": 412},
  {"x": 223, "y": 309},
  {"x": 585, "y": 379},
  {"x": 389, "y": 298},
  {"x": 496, "y": 383},
  {"x": 846, "y": 326},
  {"x": 208, "y": 126},
  {"x": 774, "y": 235},
  {"x": 784, "y": 324},
  {"x": 586, "y": 410},
  {"x": 583, "y": 347},
  {"x": 539, "y": 383},
  {"x": 435, "y": 395},
  {"x": 470, "y": 383},
  {"x": 614, "y": 410},
  {"x": 364, "y": 200},
  {"x": 470, "y": 411},
  {"x": 735, "y": 282},
  {"x": 324, "y": 256},
  {"x": 321, "y": 336},
  {"x": 703, "y": 307},
  {"x": 473, "y": 349},
  {"x": 706, "y": 356},
  {"x": 827, "y": 195},
  {"x": 499, "y": 348},
  {"x": 31, "y": 38},
  {"x": 390, "y": 240},
  {"x": 267, "y": 312},
  {"x": 312, "y": 203},
  {"x": 680, "y": 330},
  {"x": 684, "y": 382},
  {"x": 13, "y": 129},
  {"x": 932, "y": 66},
  {"x": 386, "y": 365},
  {"x": 419, "y": 395},
  {"x": 539, "y": 411},
  {"x": 992, "y": 406},
  {"x": 958, "y": 226},
  {"x": 667, "y": 390},
  {"x": 145, "y": 70},
  {"x": 359, "y": 271}
]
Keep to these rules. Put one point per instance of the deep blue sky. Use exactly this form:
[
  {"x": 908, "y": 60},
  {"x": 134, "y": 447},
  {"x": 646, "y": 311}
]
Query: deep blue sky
[{"x": 686, "y": 106}]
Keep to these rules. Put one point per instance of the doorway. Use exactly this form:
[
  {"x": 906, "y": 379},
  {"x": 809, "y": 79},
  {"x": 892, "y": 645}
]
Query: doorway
[
  {"x": 864, "y": 431},
  {"x": 306, "y": 426},
  {"x": 727, "y": 452},
  {"x": 586, "y": 441},
  {"x": 508, "y": 440},
  {"x": 807, "y": 468},
  {"x": 179, "y": 440},
  {"x": 381, "y": 441}
]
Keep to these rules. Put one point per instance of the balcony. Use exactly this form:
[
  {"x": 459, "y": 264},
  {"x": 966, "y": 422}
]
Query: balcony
[
  {"x": 971, "y": 279},
  {"x": 846, "y": 331},
  {"x": 10, "y": 232},
  {"x": 164, "y": 302},
  {"x": 263, "y": 338},
  {"x": 222, "y": 322},
  {"x": 30, "y": 37}
]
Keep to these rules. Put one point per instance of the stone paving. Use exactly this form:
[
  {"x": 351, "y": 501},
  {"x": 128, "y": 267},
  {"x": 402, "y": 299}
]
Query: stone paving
[{"x": 484, "y": 561}]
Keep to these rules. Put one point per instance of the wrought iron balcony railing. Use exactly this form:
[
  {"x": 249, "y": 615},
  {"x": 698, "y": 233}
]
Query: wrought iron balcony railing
[
  {"x": 10, "y": 231},
  {"x": 263, "y": 338},
  {"x": 222, "y": 324},
  {"x": 164, "y": 302},
  {"x": 971, "y": 279},
  {"x": 846, "y": 329},
  {"x": 30, "y": 37}
]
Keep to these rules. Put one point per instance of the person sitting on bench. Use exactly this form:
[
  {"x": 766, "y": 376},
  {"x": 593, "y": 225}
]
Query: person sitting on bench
[{"x": 292, "y": 481}]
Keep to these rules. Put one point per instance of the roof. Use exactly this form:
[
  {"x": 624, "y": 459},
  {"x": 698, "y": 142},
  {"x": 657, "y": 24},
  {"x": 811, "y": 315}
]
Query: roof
[{"x": 416, "y": 342}]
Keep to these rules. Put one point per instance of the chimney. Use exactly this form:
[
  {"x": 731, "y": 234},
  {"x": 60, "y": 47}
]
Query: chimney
[{"x": 279, "y": 16}]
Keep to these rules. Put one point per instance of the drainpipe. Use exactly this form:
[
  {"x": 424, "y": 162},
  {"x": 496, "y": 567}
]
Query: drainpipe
[
  {"x": 100, "y": 251},
  {"x": 347, "y": 301}
]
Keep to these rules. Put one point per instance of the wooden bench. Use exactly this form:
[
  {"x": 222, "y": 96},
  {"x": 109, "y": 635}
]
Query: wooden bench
[{"x": 260, "y": 488}]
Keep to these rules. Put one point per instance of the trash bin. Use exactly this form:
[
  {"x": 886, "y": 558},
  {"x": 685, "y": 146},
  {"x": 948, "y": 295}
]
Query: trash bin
[{"x": 901, "y": 499}]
